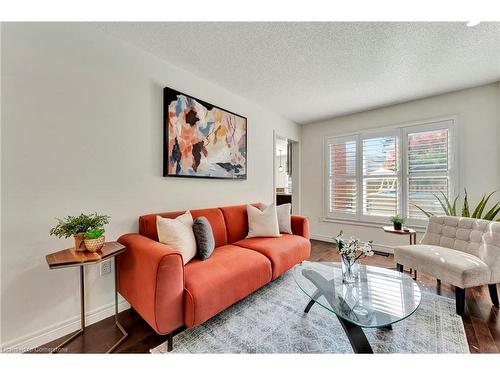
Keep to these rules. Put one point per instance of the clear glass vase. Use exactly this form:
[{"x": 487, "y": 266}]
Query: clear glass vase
[{"x": 349, "y": 271}]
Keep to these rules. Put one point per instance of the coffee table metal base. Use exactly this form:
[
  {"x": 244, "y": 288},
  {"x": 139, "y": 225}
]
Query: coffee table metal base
[{"x": 356, "y": 337}]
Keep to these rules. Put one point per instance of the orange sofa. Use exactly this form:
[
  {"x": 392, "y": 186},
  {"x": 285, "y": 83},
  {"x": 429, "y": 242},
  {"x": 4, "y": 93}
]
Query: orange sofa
[{"x": 170, "y": 295}]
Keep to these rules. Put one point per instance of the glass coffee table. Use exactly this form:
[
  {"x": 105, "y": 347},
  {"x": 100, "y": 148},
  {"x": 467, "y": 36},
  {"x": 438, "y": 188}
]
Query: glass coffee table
[{"x": 379, "y": 298}]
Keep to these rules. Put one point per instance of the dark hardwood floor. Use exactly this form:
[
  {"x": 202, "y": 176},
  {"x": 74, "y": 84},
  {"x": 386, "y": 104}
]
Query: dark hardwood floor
[{"x": 481, "y": 320}]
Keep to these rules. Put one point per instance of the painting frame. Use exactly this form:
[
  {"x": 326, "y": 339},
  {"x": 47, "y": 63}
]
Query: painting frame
[{"x": 168, "y": 94}]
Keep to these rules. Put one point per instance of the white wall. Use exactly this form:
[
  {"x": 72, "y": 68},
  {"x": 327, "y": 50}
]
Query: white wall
[
  {"x": 82, "y": 132},
  {"x": 476, "y": 110}
]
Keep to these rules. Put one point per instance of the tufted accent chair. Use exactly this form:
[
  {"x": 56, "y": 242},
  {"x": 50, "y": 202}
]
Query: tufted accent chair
[{"x": 462, "y": 251}]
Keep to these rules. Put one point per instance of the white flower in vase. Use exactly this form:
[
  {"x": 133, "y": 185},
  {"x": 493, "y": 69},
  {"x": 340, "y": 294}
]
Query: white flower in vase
[{"x": 350, "y": 251}]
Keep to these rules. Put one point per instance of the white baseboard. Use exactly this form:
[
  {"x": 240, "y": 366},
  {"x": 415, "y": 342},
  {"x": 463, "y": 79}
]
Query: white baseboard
[
  {"x": 377, "y": 247},
  {"x": 53, "y": 332}
]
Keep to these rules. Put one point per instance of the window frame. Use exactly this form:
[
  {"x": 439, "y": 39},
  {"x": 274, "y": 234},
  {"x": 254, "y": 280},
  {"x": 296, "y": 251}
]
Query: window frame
[
  {"x": 401, "y": 131},
  {"x": 326, "y": 157},
  {"x": 452, "y": 160},
  {"x": 361, "y": 178}
]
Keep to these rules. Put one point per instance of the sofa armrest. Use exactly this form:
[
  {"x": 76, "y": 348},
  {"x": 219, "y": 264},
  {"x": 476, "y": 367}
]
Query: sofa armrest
[
  {"x": 151, "y": 279},
  {"x": 300, "y": 226}
]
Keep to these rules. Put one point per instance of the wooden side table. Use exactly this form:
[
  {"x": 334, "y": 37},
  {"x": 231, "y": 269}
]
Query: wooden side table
[
  {"x": 409, "y": 232},
  {"x": 71, "y": 258}
]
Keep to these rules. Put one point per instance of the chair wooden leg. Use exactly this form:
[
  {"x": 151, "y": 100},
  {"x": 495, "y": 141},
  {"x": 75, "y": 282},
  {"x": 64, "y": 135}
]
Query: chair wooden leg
[
  {"x": 493, "y": 294},
  {"x": 460, "y": 300},
  {"x": 399, "y": 267}
]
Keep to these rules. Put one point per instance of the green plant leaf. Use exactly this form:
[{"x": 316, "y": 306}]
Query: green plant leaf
[
  {"x": 426, "y": 213},
  {"x": 94, "y": 233},
  {"x": 397, "y": 219},
  {"x": 475, "y": 213},
  {"x": 480, "y": 212},
  {"x": 448, "y": 205},
  {"x": 454, "y": 207},
  {"x": 445, "y": 209},
  {"x": 72, "y": 225},
  {"x": 490, "y": 215},
  {"x": 465, "y": 208}
]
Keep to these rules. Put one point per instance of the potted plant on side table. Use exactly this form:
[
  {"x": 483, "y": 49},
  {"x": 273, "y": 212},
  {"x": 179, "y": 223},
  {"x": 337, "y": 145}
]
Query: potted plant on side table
[
  {"x": 94, "y": 239},
  {"x": 77, "y": 226},
  {"x": 397, "y": 221}
]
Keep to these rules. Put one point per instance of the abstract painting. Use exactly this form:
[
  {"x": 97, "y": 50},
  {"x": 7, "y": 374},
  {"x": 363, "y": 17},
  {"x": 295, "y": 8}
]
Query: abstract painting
[{"x": 202, "y": 140}]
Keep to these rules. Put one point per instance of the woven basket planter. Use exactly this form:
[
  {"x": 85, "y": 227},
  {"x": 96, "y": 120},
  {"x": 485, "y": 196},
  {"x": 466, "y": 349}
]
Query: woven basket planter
[{"x": 95, "y": 244}]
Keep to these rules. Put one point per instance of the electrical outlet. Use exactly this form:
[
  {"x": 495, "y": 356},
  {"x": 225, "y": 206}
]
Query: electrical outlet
[{"x": 105, "y": 267}]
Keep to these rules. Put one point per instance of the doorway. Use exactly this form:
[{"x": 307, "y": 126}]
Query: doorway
[{"x": 286, "y": 172}]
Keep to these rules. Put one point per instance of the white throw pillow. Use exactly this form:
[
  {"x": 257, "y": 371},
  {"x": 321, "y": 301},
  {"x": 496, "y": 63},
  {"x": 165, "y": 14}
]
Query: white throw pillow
[
  {"x": 178, "y": 233},
  {"x": 284, "y": 217},
  {"x": 262, "y": 223}
]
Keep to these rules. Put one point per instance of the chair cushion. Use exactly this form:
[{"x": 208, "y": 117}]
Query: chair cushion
[
  {"x": 284, "y": 252},
  {"x": 459, "y": 233},
  {"x": 228, "y": 275},
  {"x": 455, "y": 267}
]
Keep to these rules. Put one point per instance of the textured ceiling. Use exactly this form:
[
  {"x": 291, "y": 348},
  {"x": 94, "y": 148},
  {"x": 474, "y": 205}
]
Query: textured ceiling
[{"x": 312, "y": 71}]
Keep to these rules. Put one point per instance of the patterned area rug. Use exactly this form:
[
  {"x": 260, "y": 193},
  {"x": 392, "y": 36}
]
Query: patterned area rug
[{"x": 272, "y": 320}]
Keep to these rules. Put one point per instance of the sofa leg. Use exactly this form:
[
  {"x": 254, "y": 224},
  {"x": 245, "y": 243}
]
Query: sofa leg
[
  {"x": 460, "y": 300},
  {"x": 399, "y": 267},
  {"x": 170, "y": 342},
  {"x": 493, "y": 294}
]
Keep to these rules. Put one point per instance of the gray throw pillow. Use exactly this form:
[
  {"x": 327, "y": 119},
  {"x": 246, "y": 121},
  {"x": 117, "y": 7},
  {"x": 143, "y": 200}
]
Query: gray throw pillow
[{"x": 205, "y": 243}]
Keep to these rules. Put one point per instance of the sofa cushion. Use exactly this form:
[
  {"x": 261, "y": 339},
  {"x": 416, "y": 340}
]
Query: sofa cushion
[
  {"x": 453, "y": 266},
  {"x": 178, "y": 234},
  {"x": 230, "y": 274},
  {"x": 262, "y": 223},
  {"x": 205, "y": 243},
  {"x": 236, "y": 220},
  {"x": 284, "y": 252},
  {"x": 147, "y": 223},
  {"x": 284, "y": 213}
]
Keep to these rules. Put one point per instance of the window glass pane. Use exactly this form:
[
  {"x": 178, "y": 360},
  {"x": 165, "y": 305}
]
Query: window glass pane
[
  {"x": 343, "y": 195},
  {"x": 428, "y": 151},
  {"x": 380, "y": 196},
  {"x": 420, "y": 193},
  {"x": 342, "y": 175},
  {"x": 343, "y": 158},
  {"x": 380, "y": 155}
]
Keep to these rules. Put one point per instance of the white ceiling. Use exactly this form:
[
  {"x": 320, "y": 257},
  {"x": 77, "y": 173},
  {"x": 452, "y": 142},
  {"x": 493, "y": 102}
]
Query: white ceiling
[{"x": 311, "y": 71}]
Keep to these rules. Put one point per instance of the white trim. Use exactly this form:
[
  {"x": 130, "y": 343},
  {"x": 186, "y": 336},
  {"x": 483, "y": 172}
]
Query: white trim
[
  {"x": 57, "y": 330},
  {"x": 377, "y": 129},
  {"x": 419, "y": 228},
  {"x": 326, "y": 176},
  {"x": 452, "y": 172},
  {"x": 377, "y": 247},
  {"x": 296, "y": 182}
]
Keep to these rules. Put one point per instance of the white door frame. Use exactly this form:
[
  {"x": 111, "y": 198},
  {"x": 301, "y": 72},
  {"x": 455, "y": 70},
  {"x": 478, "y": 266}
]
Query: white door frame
[{"x": 296, "y": 201}]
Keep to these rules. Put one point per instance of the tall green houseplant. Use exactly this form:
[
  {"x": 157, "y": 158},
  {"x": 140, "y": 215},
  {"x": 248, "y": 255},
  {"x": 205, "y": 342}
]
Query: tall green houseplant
[{"x": 451, "y": 209}]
